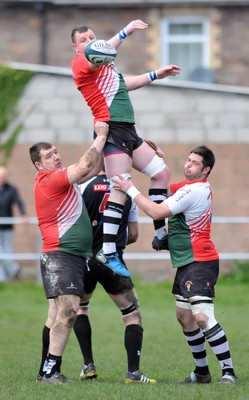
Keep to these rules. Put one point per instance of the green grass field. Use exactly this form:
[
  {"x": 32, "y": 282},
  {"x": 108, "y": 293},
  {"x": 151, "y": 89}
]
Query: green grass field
[{"x": 165, "y": 354}]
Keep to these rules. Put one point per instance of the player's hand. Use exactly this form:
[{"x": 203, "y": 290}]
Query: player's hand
[
  {"x": 156, "y": 148},
  {"x": 152, "y": 144},
  {"x": 168, "y": 70},
  {"x": 121, "y": 184},
  {"x": 135, "y": 25},
  {"x": 101, "y": 128}
]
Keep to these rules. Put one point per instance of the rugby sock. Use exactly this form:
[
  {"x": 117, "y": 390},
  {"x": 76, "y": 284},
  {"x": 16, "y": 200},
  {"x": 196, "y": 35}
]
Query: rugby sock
[
  {"x": 83, "y": 332},
  {"x": 111, "y": 221},
  {"x": 197, "y": 345},
  {"x": 54, "y": 365},
  {"x": 158, "y": 196},
  {"x": 218, "y": 342},
  {"x": 133, "y": 345},
  {"x": 45, "y": 347}
]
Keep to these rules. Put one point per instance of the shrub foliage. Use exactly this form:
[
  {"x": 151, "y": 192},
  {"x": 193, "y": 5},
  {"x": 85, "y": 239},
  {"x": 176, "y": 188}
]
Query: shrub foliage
[{"x": 12, "y": 83}]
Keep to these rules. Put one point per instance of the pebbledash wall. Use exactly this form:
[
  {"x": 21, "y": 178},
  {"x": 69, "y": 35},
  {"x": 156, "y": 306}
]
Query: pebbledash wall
[{"x": 176, "y": 116}]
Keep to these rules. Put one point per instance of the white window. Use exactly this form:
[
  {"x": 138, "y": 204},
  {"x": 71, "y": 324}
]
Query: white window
[{"x": 185, "y": 42}]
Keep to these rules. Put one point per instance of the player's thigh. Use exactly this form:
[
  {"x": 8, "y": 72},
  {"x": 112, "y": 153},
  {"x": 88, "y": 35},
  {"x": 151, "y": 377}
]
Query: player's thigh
[
  {"x": 86, "y": 298},
  {"x": 125, "y": 299},
  {"x": 142, "y": 156},
  {"x": 117, "y": 163}
]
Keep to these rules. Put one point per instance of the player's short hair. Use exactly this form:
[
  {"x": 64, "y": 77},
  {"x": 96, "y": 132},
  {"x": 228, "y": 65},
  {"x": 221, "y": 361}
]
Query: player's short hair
[
  {"x": 79, "y": 29},
  {"x": 208, "y": 158},
  {"x": 35, "y": 151}
]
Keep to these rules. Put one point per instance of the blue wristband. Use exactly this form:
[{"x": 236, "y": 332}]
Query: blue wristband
[
  {"x": 122, "y": 34},
  {"x": 152, "y": 75}
]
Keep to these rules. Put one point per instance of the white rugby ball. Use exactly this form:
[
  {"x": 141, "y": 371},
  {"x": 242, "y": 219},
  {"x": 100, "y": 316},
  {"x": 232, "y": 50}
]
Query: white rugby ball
[{"x": 100, "y": 52}]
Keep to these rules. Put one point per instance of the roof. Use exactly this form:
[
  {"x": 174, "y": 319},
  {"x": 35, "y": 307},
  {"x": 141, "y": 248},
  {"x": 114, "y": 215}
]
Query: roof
[{"x": 133, "y": 3}]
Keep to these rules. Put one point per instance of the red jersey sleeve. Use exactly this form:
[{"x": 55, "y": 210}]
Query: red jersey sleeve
[{"x": 53, "y": 183}]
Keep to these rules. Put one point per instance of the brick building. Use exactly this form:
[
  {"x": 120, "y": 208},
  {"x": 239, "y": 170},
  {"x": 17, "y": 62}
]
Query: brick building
[{"x": 207, "y": 38}]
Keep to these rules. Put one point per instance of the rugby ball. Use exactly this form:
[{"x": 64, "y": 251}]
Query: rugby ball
[{"x": 100, "y": 52}]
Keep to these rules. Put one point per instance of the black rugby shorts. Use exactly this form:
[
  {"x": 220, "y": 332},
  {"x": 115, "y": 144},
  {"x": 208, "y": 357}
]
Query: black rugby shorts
[
  {"x": 196, "y": 279},
  {"x": 123, "y": 136},
  {"x": 62, "y": 274},
  {"x": 114, "y": 284}
]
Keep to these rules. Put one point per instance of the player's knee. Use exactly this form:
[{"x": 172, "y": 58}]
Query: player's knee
[
  {"x": 83, "y": 309},
  {"x": 131, "y": 309},
  {"x": 155, "y": 166},
  {"x": 182, "y": 308},
  {"x": 203, "y": 311},
  {"x": 68, "y": 316}
]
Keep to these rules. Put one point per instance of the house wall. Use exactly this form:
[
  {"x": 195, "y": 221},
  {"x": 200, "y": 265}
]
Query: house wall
[{"x": 21, "y": 29}]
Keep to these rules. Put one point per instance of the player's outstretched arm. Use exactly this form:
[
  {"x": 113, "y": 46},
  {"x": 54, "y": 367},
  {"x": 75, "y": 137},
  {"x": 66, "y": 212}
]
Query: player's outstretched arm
[
  {"x": 152, "y": 209},
  {"x": 91, "y": 161},
  {"x": 137, "y": 24},
  {"x": 135, "y": 82}
]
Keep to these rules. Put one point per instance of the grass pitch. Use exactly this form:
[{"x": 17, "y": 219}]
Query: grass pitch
[{"x": 165, "y": 354}]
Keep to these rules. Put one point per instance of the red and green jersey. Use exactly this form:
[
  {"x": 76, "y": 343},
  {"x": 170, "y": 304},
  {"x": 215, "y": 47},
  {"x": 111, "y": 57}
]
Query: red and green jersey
[
  {"x": 62, "y": 215},
  {"x": 189, "y": 228},
  {"x": 104, "y": 90}
]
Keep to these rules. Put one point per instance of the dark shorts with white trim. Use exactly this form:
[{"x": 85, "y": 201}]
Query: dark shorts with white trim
[
  {"x": 196, "y": 279},
  {"x": 62, "y": 274},
  {"x": 122, "y": 135}
]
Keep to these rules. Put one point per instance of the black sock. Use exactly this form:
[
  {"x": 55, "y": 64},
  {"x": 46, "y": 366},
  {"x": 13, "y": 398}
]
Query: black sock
[
  {"x": 133, "y": 345},
  {"x": 45, "y": 347},
  {"x": 54, "y": 365},
  {"x": 158, "y": 196},
  {"x": 83, "y": 332}
]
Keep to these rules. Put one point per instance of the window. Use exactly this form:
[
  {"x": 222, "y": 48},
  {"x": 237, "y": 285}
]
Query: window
[{"x": 185, "y": 43}]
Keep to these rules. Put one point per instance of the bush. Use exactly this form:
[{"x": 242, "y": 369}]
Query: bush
[
  {"x": 239, "y": 274},
  {"x": 12, "y": 83}
]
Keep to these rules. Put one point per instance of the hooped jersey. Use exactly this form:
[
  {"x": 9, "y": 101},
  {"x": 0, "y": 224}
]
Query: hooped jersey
[
  {"x": 62, "y": 215},
  {"x": 96, "y": 193},
  {"x": 104, "y": 90},
  {"x": 189, "y": 228}
]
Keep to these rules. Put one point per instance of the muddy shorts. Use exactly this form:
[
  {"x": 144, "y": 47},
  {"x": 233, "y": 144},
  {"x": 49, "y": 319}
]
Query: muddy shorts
[{"x": 62, "y": 274}]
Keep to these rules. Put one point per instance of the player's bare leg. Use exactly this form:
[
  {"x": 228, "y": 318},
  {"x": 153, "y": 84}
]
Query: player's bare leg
[
  {"x": 115, "y": 161},
  {"x": 147, "y": 161},
  {"x": 52, "y": 311},
  {"x": 67, "y": 307}
]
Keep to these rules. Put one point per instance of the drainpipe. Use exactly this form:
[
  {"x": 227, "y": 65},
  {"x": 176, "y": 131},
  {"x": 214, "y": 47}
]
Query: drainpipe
[{"x": 40, "y": 7}]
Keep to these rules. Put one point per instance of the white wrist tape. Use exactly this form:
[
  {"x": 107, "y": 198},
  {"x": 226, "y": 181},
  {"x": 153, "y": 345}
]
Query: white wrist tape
[{"x": 132, "y": 192}]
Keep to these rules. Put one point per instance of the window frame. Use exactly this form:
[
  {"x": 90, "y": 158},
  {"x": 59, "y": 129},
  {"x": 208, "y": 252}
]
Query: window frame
[{"x": 167, "y": 39}]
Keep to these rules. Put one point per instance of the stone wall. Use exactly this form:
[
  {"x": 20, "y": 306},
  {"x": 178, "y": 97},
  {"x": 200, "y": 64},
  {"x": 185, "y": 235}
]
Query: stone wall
[
  {"x": 52, "y": 108},
  {"x": 177, "y": 118}
]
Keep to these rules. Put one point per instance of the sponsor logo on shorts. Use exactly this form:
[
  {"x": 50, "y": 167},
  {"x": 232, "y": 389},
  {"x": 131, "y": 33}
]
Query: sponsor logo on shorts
[
  {"x": 72, "y": 286},
  {"x": 188, "y": 285},
  {"x": 207, "y": 285}
]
